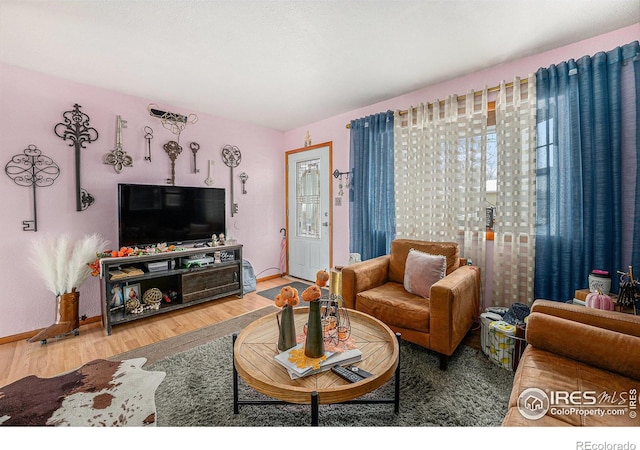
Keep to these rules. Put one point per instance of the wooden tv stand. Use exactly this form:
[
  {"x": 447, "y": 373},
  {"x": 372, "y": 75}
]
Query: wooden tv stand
[{"x": 187, "y": 272}]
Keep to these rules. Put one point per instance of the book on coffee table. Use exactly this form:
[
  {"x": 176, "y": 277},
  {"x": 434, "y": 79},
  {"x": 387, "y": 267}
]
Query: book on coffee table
[{"x": 342, "y": 358}]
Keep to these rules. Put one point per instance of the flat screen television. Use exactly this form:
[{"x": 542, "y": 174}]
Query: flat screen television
[{"x": 150, "y": 214}]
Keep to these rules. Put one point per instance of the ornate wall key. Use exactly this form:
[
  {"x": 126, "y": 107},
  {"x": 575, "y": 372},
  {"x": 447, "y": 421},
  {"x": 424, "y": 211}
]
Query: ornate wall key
[
  {"x": 76, "y": 129},
  {"x": 209, "y": 180},
  {"x": 173, "y": 149},
  {"x": 32, "y": 169},
  {"x": 118, "y": 158},
  {"x": 243, "y": 178},
  {"x": 148, "y": 135},
  {"x": 231, "y": 156},
  {"x": 194, "y": 146}
]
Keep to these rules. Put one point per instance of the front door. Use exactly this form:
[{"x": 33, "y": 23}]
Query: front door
[{"x": 309, "y": 210}]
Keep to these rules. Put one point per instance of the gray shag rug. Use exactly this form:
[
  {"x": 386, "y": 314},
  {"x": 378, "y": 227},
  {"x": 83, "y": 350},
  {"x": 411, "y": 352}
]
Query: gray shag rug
[{"x": 472, "y": 392}]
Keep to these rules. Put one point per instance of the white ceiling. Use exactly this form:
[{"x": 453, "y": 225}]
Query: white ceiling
[{"x": 284, "y": 64}]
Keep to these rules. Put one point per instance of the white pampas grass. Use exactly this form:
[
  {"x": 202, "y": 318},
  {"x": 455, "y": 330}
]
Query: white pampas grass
[
  {"x": 64, "y": 264},
  {"x": 84, "y": 252}
]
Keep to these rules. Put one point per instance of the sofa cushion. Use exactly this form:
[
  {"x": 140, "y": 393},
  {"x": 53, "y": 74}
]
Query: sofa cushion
[
  {"x": 394, "y": 306},
  {"x": 400, "y": 250},
  {"x": 589, "y": 344},
  {"x": 422, "y": 270}
]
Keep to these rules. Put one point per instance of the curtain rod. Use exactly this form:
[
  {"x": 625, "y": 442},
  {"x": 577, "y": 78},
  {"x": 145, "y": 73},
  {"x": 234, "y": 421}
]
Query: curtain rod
[{"x": 491, "y": 89}]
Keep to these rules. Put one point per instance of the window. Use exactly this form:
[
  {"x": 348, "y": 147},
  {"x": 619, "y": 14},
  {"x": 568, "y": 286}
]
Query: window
[{"x": 492, "y": 170}]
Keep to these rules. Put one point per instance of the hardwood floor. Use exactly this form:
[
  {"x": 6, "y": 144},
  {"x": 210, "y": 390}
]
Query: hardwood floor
[{"x": 21, "y": 358}]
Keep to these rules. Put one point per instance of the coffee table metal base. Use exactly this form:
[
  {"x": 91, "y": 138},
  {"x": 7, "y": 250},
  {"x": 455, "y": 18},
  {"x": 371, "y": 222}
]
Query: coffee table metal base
[{"x": 313, "y": 401}]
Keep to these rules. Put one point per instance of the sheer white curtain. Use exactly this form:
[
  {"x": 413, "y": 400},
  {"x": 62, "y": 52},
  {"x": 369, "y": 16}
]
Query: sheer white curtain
[
  {"x": 440, "y": 173},
  {"x": 515, "y": 226}
]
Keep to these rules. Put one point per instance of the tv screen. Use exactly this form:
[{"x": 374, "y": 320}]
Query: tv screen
[{"x": 149, "y": 214}]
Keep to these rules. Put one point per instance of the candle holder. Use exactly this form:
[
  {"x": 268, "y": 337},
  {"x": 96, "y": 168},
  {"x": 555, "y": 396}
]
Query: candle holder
[{"x": 336, "y": 325}]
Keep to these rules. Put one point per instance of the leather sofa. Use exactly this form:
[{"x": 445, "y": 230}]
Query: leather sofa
[
  {"x": 586, "y": 362},
  {"x": 439, "y": 322}
]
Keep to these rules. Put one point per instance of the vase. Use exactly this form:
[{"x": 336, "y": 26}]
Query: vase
[
  {"x": 67, "y": 318},
  {"x": 286, "y": 329},
  {"x": 314, "y": 345}
]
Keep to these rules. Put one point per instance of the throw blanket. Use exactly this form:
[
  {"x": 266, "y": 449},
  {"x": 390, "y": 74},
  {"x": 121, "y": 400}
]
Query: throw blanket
[{"x": 100, "y": 393}]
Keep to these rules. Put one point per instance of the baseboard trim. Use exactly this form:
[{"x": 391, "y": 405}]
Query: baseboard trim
[{"x": 29, "y": 334}]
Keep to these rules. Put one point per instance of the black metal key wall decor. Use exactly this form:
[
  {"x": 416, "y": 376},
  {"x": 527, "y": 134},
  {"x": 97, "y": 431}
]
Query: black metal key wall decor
[
  {"x": 173, "y": 149},
  {"x": 118, "y": 158},
  {"x": 243, "y": 179},
  {"x": 231, "y": 156},
  {"x": 76, "y": 129},
  {"x": 194, "y": 146},
  {"x": 148, "y": 135},
  {"x": 32, "y": 169}
]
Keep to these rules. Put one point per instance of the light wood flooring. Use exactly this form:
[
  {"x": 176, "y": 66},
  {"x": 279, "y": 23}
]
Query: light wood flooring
[{"x": 21, "y": 358}]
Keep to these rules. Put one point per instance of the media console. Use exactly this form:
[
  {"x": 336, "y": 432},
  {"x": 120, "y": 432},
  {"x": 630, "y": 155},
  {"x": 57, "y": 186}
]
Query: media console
[{"x": 184, "y": 277}]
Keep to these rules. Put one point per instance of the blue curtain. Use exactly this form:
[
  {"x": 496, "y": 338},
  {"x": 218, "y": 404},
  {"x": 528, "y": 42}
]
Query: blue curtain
[
  {"x": 372, "y": 220},
  {"x": 588, "y": 168}
]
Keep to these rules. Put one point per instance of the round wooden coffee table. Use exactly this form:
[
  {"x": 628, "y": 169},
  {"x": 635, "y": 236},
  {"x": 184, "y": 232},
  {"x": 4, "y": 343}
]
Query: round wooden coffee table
[{"x": 255, "y": 348}]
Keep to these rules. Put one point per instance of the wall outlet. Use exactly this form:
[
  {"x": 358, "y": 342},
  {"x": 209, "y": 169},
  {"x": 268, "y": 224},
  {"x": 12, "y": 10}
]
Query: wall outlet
[{"x": 338, "y": 201}]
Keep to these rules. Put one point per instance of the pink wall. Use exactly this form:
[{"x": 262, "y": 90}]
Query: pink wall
[
  {"x": 31, "y": 104},
  {"x": 333, "y": 128}
]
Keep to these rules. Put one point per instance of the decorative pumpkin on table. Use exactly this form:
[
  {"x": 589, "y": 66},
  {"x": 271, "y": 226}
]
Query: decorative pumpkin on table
[
  {"x": 322, "y": 277},
  {"x": 598, "y": 300}
]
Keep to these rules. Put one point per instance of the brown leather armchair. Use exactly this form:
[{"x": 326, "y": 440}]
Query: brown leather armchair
[{"x": 438, "y": 323}]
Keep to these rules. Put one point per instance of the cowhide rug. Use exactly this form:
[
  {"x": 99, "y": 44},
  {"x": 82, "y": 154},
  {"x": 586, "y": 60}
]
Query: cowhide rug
[{"x": 100, "y": 393}]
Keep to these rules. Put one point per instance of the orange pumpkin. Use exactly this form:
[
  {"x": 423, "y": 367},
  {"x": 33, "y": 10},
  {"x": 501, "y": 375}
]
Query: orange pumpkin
[
  {"x": 322, "y": 276},
  {"x": 311, "y": 293},
  {"x": 279, "y": 301},
  {"x": 287, "y": 292}
]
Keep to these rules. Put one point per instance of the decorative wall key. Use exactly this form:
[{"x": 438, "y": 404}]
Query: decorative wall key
[
  {"x": 209, "y": 180},
  {"x": 148, "y": 135},
  {"x": 118, "y": 158},
  {"x": 173, "y": 149},
  {"x": 32, "y": 169},
  {"x": 194, "y": 146},
  {"x": 243, "y": 178},
  {"x": 76, "y": 129},
  {"x": 231, "y": 156}
]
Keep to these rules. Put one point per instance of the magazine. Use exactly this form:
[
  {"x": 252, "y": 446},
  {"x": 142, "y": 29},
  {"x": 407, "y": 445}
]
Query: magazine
[{"x": 342, "y": 358}]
